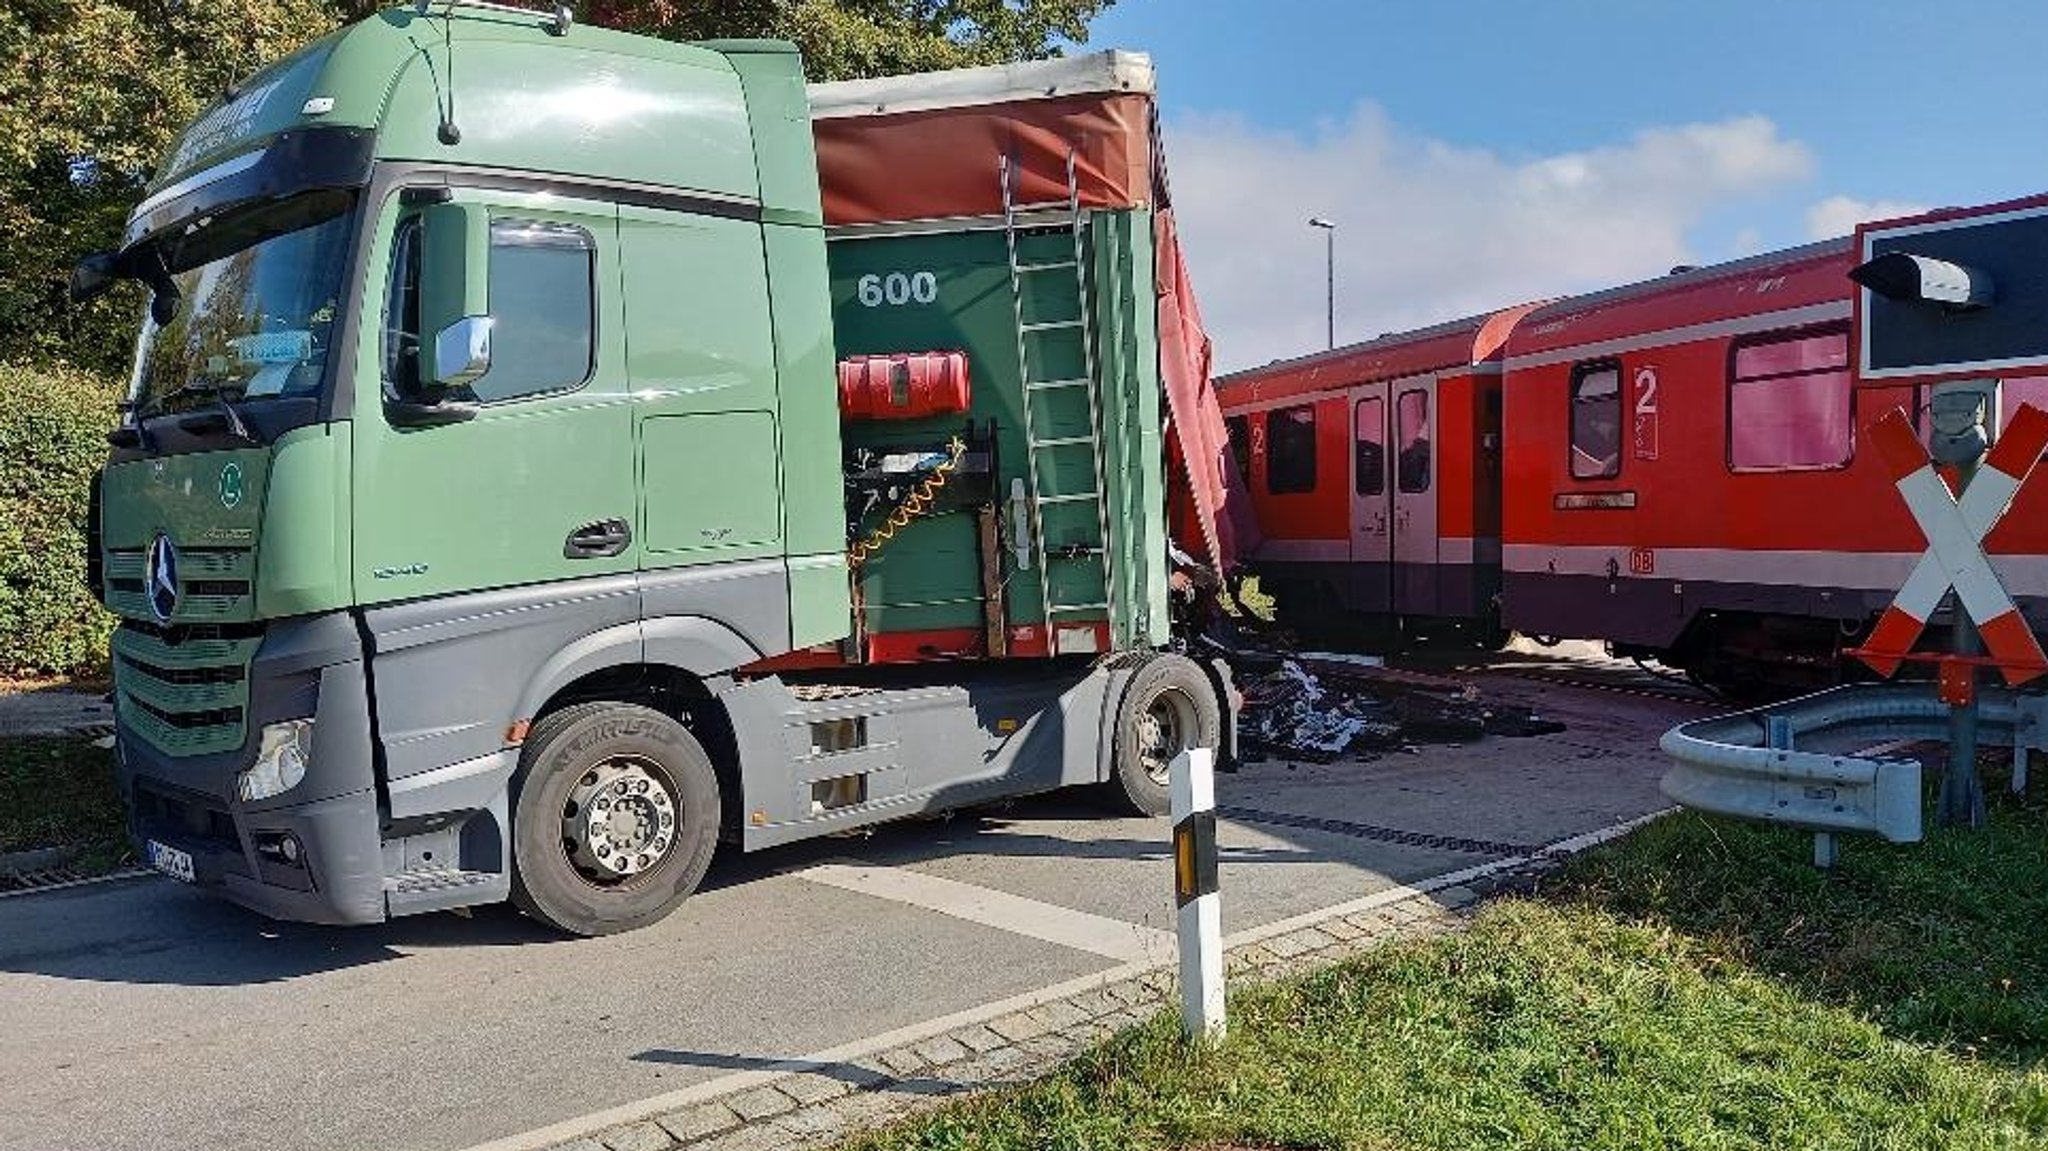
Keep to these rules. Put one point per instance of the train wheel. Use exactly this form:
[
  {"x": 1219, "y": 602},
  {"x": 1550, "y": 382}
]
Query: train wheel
[{"x": 616, "y": 819}]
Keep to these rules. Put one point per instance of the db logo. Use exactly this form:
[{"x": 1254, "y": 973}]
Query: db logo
[{"x": 1642, "y": 561}]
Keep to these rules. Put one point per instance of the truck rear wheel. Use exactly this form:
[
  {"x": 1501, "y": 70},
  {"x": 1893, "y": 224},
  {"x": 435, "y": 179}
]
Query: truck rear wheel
[
  {"x": 1169, "y": 706},
  {"x": 616, "y": 818}
]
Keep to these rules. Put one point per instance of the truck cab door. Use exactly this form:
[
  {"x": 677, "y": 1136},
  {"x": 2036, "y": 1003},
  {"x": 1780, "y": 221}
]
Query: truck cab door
[{"x": 537, "y": 487}]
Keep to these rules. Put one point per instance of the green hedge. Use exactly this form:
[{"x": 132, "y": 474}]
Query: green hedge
[{"x": 53, "y": 426}]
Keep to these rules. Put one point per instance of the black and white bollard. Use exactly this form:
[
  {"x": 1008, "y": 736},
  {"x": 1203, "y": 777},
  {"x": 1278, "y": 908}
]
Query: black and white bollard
[{"x": 1195, "y": 894}]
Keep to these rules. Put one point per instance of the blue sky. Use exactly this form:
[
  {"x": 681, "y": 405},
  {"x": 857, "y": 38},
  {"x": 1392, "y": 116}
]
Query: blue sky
[{"x": 1471, "y": 116}]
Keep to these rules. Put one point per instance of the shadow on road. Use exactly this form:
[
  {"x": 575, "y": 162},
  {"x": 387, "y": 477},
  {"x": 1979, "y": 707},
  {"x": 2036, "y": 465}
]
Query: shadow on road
[
  {"x": 148, "y": 931},
  {"x": 852, "y": 1074},
  {"x": 151, "y": 931}
]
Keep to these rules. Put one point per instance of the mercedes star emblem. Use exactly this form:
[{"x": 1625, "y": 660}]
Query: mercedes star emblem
[{"x": 160, "y": 570}]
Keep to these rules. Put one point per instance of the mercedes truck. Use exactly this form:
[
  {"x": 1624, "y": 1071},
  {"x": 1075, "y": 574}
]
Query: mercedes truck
[{"x": 551, "y": 453}]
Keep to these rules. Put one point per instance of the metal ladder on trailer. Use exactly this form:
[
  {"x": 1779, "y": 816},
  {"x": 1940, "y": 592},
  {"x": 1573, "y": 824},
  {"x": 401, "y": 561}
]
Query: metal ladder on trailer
[{"x": 1032, "y": 336}]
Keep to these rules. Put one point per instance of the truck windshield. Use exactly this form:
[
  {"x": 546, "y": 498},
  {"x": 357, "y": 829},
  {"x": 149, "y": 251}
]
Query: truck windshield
[{"x": 260, "y": 292}]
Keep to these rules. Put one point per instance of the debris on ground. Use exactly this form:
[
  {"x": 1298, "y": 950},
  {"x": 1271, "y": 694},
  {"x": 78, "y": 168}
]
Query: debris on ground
[{"x": 1325, "y": 707}]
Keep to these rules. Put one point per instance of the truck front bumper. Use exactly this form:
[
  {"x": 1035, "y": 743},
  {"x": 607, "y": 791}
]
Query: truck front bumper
[{"x": 311, "y": 854}]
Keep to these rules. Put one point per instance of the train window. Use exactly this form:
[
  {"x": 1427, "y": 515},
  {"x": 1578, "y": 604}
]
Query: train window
[
  {"x": 2012, "y": 392},
  {"x": 1240, "y": 429},
  {"x": 1596, "y": 421},
  {"x": 1789, "y": 403},
  {"x": 1369, "y": 437},
  {"x": 1411, "y": 469},
  {"x": 1291, "y": 449}
]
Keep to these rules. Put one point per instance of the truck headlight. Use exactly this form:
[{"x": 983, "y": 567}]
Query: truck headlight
[{"x": 280, "y": 762}]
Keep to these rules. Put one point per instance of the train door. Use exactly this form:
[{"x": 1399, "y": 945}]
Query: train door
[
  {"x": 1371, "y": 579},
  {"x": 1413, "y": 415}
]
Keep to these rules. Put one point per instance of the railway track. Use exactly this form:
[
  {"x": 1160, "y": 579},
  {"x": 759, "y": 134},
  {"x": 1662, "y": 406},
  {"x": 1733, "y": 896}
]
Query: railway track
[{"x": 1674, "y": 692}]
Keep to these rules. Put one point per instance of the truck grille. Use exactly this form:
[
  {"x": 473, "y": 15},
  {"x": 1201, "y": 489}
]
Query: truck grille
[
  {"x": 213, "y": 583},
  {"x": 185, "y": 688}
]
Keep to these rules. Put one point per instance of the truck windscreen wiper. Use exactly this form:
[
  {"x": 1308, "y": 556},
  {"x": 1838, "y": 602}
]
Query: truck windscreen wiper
[{"x": 220, "y": 391}]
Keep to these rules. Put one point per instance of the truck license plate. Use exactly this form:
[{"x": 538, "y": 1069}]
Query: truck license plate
[{"x": 172, "y": 862}]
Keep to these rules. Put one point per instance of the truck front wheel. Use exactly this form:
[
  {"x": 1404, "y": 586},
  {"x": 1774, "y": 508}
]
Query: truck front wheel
[
  {"x": 1169, "y": 706},
  {"x": 616, "y": 818}
]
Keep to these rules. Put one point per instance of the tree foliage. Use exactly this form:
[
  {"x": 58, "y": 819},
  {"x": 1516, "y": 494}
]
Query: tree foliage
[
  {"x": 91, "y": 93},
  {"x": 843, "y": 39},
  {"x": 53, "y": 425}
]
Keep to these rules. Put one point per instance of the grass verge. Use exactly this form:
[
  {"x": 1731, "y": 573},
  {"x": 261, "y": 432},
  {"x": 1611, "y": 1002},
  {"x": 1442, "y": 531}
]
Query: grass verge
[
  {"x": 1696, "y": 985},
  {"x": 59, "y": 792}
]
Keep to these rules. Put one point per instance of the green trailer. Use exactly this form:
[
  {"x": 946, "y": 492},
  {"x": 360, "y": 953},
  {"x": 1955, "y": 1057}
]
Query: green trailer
[{"x": 532, "y": 479}]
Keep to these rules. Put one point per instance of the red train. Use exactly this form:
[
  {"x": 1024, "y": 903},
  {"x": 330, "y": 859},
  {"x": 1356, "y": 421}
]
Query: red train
[{"x": 1672, "y": 466}]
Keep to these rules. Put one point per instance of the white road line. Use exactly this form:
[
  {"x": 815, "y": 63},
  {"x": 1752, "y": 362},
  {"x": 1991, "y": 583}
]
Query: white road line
[
  {"x": 73, "y": 884},
  {"x": 569, "y": 1129},
  {"x": 1050, "y": 923}
]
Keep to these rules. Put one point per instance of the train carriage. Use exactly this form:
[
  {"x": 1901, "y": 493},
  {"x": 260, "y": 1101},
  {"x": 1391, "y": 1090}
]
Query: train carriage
[
  {"x": 1676, "y": 467},
  {"x": 1374, "y": 472}
]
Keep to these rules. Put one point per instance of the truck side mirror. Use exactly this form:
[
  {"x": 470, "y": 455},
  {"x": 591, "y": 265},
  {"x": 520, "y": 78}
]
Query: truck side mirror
[
  {"x": 94, "y": 276},
  {"x": 455, "y": 319}
]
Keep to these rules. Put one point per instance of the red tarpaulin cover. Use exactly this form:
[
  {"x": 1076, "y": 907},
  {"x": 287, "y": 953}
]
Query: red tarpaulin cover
[
  {"x": 1206, "y": 487},
  {"x": 943, "y": 162},
  {"x": 929, "y": 148}
]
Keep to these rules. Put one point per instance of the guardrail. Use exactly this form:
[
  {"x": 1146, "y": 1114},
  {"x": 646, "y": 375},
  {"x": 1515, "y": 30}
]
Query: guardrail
[{"x": 1818, "y": 763}]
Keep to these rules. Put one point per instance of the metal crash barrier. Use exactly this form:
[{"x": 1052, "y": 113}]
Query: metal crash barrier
[{"x": 1819, "y": 762}]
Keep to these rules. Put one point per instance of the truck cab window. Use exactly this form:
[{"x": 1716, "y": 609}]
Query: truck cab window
[
  {"x": 402, "y": 313},
  {"x": 543, "y": 299},
  {"x": 1596, "y": 421}
]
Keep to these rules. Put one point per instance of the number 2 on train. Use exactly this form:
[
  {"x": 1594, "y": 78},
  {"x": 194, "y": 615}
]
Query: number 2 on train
[{"x": 1646, "y": 414}]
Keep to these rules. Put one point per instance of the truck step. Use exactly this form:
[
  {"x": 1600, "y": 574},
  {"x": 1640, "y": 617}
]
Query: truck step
[
  {"x": 1052, "y": 266},
  {"x": 436, "y": 879},
  {"x": 1068, "y": 498},
  {"x": 1049, "y": 385},
  {"x": 1049, "y": 326},
  {"x": 1062, "y": 608},
  {"x": 1063, "y": 442}
]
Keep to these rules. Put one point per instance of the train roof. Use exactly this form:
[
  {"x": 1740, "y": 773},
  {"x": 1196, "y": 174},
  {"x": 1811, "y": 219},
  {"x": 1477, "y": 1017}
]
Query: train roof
[
  {"x": 1807, "y": 284},
  {"x": 1457, "y": 343}
]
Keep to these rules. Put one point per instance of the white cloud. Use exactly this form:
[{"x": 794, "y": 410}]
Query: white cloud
[
  {"x": 1839, "y": 215},
  {"x": 1428, "y": 230}
]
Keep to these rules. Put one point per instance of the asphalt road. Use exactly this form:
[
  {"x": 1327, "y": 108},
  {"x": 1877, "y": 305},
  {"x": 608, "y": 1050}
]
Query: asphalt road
[{"x": 138, "y": 1015}]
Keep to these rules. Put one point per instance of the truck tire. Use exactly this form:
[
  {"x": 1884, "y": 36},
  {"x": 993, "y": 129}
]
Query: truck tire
[
  {"x": 1169, "y": 706},
  {"x": 615, "y": 818}
]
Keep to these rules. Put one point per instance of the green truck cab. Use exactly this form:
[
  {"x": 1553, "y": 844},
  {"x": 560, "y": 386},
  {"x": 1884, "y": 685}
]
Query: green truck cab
[{"x": 479, "y": 523}]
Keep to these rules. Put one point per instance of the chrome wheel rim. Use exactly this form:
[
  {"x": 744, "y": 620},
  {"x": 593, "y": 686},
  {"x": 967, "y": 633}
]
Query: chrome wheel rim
[
  {"x": 619, "y": 821},
  {"x": 1165, "y": 729}
]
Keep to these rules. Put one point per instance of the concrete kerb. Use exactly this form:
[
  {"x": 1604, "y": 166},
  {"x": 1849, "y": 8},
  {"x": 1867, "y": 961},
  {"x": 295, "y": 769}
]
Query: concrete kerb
[{"x": 835, "y": 1093}]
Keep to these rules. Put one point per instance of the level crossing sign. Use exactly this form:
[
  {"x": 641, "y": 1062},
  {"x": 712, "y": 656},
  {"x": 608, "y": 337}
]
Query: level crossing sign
[{"x": 1955, "y": 527}]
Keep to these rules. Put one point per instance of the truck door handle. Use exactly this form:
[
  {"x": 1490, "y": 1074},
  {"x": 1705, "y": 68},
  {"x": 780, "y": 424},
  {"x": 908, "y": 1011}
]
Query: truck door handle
[{"x": 597, "y": 540}]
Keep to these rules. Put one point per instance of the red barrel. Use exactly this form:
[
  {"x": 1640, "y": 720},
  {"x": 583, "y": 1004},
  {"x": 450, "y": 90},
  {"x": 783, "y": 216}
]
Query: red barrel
[{"x": 903, "y": 385}]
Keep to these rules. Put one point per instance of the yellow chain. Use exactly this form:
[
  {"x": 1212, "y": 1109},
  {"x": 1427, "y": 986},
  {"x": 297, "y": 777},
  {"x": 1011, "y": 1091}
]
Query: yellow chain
[{"x": 916, "y": 504}]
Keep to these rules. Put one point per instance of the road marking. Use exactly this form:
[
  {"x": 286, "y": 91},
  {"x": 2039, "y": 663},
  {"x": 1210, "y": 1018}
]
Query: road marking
[
  {"x": 73, "y": 884},
  {"x": 586, "y": 1125},
  {"x": 1047, "y": 922}
]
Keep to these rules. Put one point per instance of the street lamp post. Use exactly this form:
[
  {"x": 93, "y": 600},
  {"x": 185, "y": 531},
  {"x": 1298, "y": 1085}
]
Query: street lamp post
[{"x": 1329, "y": 228}]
